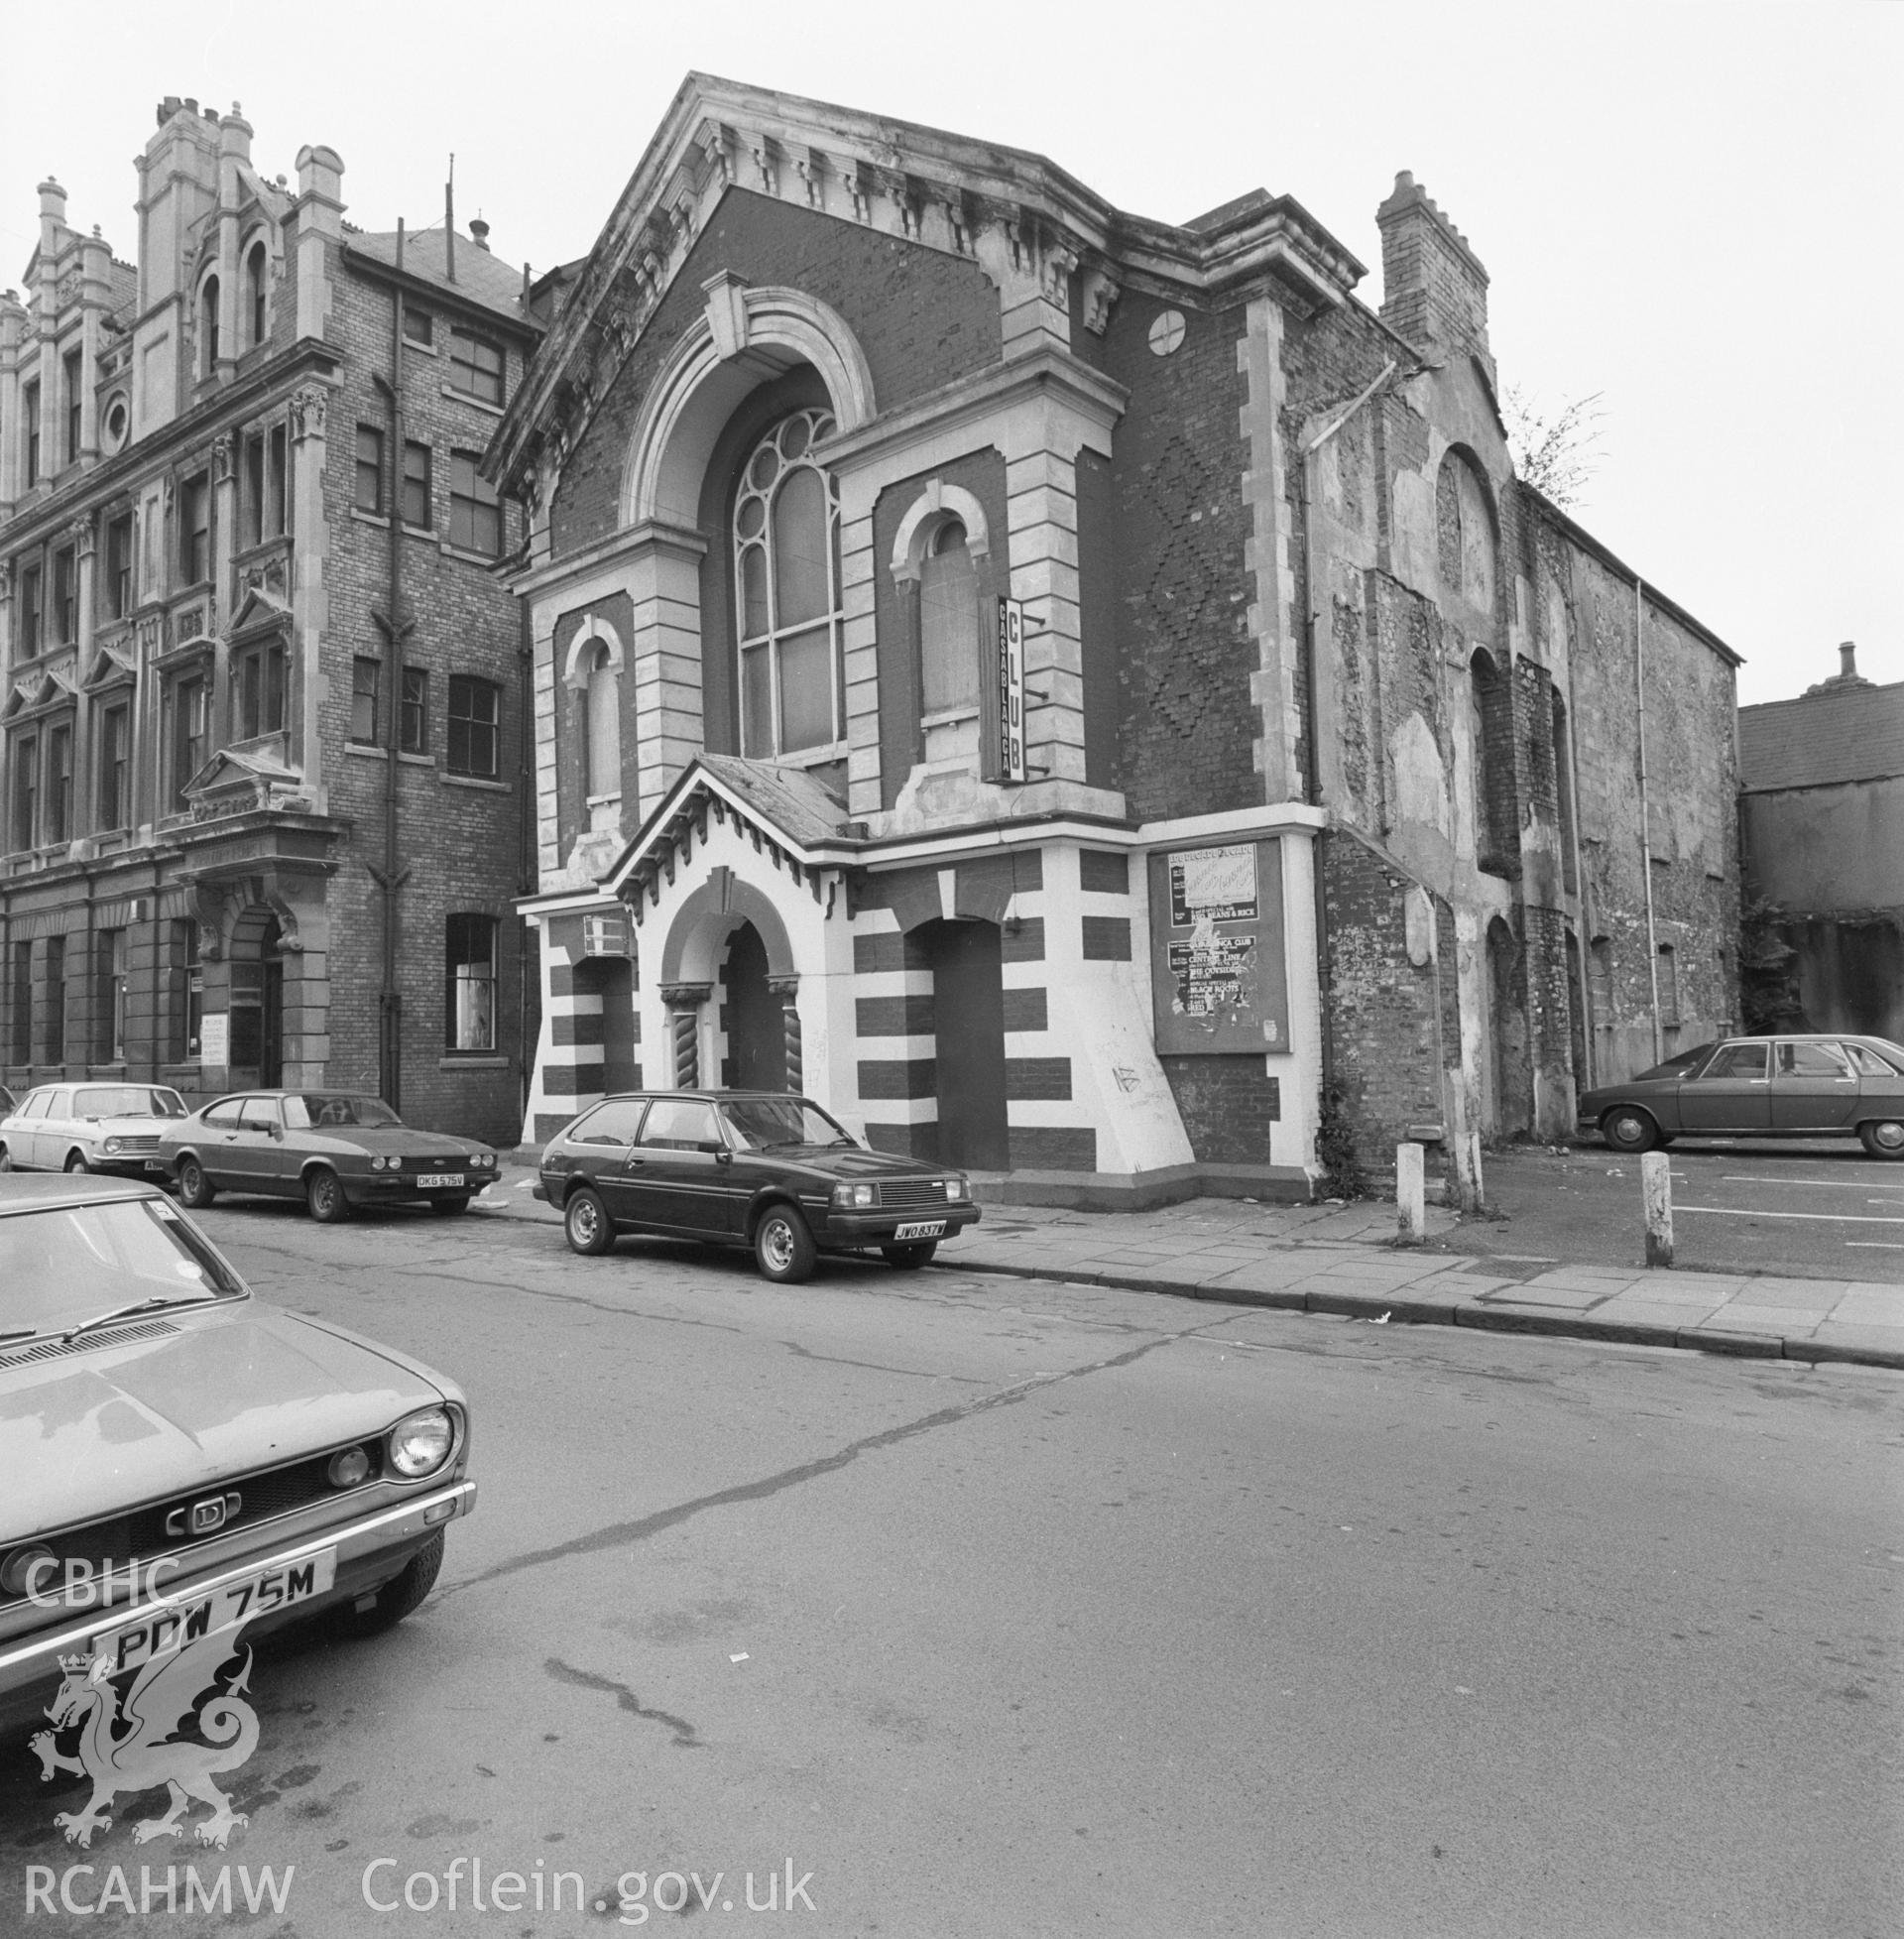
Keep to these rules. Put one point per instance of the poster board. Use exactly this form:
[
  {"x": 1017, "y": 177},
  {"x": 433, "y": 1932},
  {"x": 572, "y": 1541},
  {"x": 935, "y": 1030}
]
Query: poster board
[
  {"x": 1219, "y": 977},
  {"x": 214, "y": 1038}
]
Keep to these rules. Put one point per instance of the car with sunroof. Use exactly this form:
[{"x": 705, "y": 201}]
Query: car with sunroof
[
  {"x": 763, "y": 1169},
  {"x": 101, "y": 1126},
  {"x": 1789, "y": 1084}
]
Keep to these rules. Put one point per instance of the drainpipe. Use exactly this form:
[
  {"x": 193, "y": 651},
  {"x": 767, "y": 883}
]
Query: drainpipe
[
  {"x": 1645, "y": 814},
  {"x": 391, "y": 877}
]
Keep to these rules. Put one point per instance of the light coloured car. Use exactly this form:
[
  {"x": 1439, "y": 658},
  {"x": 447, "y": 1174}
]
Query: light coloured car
[
  {"x": 112, "y": 1127},
  {"x": 182, "y": 1460}
]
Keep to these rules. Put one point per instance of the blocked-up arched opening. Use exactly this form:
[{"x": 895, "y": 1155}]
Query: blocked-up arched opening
[
  {"x": 1507, "y": 1036},
  {"x": 1564, "y": 796},
  {"x": 1491, "y": 719}
]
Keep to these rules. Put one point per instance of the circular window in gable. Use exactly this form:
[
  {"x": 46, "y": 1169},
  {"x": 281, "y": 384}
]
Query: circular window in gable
[{"x": 116, "y": 423}]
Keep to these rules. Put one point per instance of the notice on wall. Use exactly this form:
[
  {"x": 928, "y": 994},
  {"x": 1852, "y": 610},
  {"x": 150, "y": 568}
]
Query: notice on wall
[
  {"x": 215, "y": 1038},
  {"x": 1219, "y": 884},
  {"x": 1219, "y": 978}
]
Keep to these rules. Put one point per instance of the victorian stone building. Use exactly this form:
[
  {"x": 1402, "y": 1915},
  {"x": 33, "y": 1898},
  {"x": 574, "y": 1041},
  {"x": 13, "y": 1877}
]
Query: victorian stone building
[
  {"x": 1081, "y": 695},
  {"x": 260, "y": 727}
]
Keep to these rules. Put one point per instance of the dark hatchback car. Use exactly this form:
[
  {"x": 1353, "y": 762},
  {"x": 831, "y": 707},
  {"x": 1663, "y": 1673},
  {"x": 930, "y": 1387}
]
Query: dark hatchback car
[
  {"x": 762, "y": 1169},
  {"x": 1815, "y": 1085}
]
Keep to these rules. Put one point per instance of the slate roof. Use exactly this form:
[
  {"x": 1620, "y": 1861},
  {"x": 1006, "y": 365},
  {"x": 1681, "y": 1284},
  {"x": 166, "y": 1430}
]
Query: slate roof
[
  {"x": 788, "y": 798},
  {"x": 1821, "y": 740},
  {"x": 480, "y": 277}
]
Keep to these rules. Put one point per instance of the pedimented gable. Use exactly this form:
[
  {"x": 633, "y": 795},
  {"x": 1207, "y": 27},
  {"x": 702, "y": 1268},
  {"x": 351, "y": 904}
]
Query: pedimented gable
[
  {"x": 259, "y": 612},
  {"x": 1031, "y": 228}
]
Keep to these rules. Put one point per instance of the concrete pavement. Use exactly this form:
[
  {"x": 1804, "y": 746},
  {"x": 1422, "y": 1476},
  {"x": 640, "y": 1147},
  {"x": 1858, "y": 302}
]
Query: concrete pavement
[{"x": 1341, "y": 1258}]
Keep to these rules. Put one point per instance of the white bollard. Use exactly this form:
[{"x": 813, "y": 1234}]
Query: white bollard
[
  {"x": 1656, "y": 1183},
  {"x": 1411, "y": 1216}
]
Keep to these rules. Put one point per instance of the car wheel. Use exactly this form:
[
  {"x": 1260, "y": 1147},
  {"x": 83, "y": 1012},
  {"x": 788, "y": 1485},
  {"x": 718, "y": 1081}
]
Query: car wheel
[
  {"x": 194, "y": 1188},
  {"x": 1626, "y": 1127},
  {"x": 586, "y": 1224},
  {"x": 783, "y": 1249},
  {"x": 397, "y": 1598},
  {"x": 445, "y": 1207},
  {"x": 325, "y": 1198},
  {"x": 910, "y": 1257},
  {"x": 76, "y": 1162},
  {"x": 6, "y": 1160},
  {"x": 1883, "y": 1138}
]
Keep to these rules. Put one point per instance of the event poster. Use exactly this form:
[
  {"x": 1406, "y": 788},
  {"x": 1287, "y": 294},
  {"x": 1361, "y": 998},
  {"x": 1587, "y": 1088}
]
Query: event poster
[{"x": 1219, "y": 978}]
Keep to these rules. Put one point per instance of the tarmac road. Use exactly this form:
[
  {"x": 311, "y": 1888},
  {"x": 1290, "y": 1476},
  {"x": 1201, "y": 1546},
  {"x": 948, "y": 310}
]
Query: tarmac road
[
  {"x": 1817, "y": 1208},
  {"x": 1010, "y": 1607}
]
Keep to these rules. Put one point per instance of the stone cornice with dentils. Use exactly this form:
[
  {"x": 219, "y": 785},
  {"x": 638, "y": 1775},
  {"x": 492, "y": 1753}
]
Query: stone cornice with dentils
[{"x": 924, "y": 184}]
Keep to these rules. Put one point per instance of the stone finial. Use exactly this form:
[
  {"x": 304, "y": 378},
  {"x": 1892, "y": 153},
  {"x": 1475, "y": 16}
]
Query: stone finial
[{"x": 479, "y": 233}]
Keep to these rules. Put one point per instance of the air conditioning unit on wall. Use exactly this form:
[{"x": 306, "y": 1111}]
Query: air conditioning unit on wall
[{"x": 607, "y": 934}]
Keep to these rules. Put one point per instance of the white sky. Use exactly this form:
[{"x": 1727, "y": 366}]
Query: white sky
[{"x": 1679, "y": 205}]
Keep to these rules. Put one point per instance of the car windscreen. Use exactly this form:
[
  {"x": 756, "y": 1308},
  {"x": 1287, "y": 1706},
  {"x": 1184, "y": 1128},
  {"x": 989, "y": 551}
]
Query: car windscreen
[
  {"x": 758, "y": 1122},
  {"x": 317, "y": 1110},
  {"x": 62, "y": 1263},
  {"x": 1682, "y": 1065},
  {"x": 127, "y": 1101}
]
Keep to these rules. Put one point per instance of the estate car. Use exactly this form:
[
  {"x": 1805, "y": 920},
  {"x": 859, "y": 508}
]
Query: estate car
[
  {"x": 758, "y": 1168},
  {"x": 1819, "y": 1084},
  {"x": 112, "y": 1127}
]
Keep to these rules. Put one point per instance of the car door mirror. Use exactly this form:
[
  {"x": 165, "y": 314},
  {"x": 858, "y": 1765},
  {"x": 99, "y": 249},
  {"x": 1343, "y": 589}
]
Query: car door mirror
[{"x": 722, "y": 1156}]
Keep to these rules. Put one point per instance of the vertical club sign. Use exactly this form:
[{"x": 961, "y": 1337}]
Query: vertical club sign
[{"x": 1012, "y": 691}]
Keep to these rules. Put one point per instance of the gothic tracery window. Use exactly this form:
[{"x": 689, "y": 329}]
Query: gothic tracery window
[{"x": 786, "y": 593}]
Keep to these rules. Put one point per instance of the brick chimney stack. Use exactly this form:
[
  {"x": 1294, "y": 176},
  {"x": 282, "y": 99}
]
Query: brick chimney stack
[{"x": 1434, "y": 290}]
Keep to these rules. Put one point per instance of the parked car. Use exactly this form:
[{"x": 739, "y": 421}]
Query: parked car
[
  {"x": 8, "y": 1101},
  {"x": 755, "y": 1168},
  {"x": 182, "y": 1458},
  {"x": 334, "y": 1149},
  {"x": 1815, "y": 1085},
  {"x": 89, "y": 1128}
]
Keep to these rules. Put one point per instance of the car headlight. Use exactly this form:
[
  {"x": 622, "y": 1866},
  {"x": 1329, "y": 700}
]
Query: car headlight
[
  {"x": 855, "y": 1196},
  {"x": 347, "y": 1467},
  {"x": 114, "y": 1145},
  {"x": 420, "y": 1444},
  {"x": 955, "y": 1188},
  {"x": 484, "y": 1160}
]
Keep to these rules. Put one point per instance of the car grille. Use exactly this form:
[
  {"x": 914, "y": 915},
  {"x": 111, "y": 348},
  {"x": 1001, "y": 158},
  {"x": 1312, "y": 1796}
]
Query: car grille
[
  {"x": 912, "y": 1194},
  {"x": 138, "y": 1141},
  {"x": 270, "y": 1492}
]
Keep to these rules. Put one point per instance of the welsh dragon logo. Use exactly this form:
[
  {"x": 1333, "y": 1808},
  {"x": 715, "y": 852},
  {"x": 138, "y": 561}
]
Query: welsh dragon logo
[{"x": 134, "y": 1745}]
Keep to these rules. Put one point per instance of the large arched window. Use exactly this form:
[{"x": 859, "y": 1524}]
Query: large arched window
[
  {"x": 602, "y": 710},
  {"x": 786, "y": 593},
  {"x": 948, "y": 622},
  {"x": 1464, "y": 532}
]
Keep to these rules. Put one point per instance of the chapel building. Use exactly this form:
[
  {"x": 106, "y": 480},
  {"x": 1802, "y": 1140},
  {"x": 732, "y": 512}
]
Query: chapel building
[{"x": 1084, "y": 697}]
